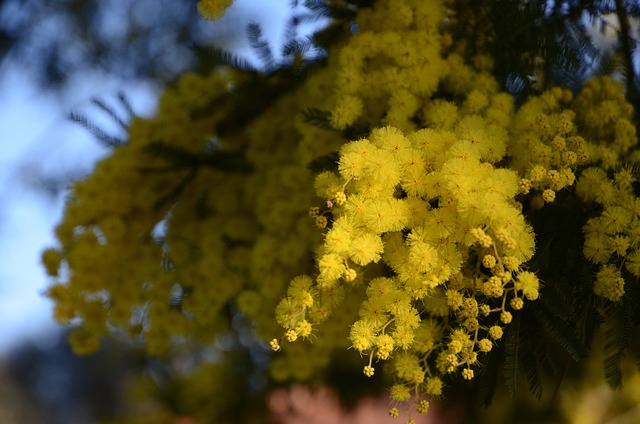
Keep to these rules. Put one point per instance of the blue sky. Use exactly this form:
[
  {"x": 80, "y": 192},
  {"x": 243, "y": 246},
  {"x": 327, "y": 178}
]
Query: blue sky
[{"x": 39, "y": 141}]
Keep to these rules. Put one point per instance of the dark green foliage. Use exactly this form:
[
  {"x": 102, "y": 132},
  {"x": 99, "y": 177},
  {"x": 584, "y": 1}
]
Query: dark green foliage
[
  {"x": 212, "y": 57},
  {"x": 318, "y": 118},
  {"x": 529, "y": 361},
  {"x": 618, "y": 337},
  {"x": 562, "y": 331},
  {"x": 112, "y": 112},
  {"x": 261, "y": 46},
  {"x": 511, "y": 358},
  {"x": 487, "y": 379},
  {"x": 179, "y": 158},
  {"x": 622, "y": 320},
  {"x": 100, "y": 134},
  {"x": 324, "y": 163},
  {"x": 537, "y": 45}
]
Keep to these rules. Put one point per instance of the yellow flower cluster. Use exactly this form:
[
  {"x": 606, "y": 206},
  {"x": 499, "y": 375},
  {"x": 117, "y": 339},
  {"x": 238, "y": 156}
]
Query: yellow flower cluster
[
  {"x": 213, "y": 9},
  {"x": 612, "y": 239},
  {"x": 161, "y": 239},
  {"x": 417, "y": 211},
  {"x": 421, "y": 257},
  {"x": 428, "y": 224},
  {"x": 391, "y": 66},
  {"x": 133, "y": 234}
]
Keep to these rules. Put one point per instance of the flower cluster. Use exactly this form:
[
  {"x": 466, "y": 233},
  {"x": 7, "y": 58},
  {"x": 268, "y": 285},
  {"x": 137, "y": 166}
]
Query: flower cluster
[
  {"x": 418, "y": 244},
  {"x": 430, "y": 228},
  {"x": 612, "y": 237},
  {"x": 213, "y": 9}
]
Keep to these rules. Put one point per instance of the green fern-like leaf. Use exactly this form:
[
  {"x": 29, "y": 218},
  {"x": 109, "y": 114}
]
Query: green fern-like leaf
[
  {"x": 178, "y": 158},
  {"x": 214, "y": 56},
  {"x": 618, "y": 336},
  {"x": 561, "y": 330},
  {"x": 317, "y": 117},
  {"x": 101, "y": 135},
  {"x": 261, "y": 46},
  {"x": 512, "y": 356},
  {"x": 529, "y": 365},
  {"x": 487, "y": 380},
  {"x": 324, "y": 163}
]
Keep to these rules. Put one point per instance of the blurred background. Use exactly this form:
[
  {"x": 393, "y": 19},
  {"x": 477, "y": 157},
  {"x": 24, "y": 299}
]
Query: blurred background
[{"x": 61, "y": 62}]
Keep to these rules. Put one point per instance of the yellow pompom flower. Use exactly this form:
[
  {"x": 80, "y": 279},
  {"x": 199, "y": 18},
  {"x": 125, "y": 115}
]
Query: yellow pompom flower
[
  {"x": 467, "y": 373},
  {"x": 619, "y": 244},
  {"x": 366, "y": 247},
  {"x": 392, "y": 141},
  {"x": 441, "y": 114},
  {"x": 374, "y": 311},
  {"x": 52, "y": 258},
  {"x": 362, "y": 335},
  {"x": 288, "y": 313},
  {"x": 331, "y": 268},
  {"x": 354, "y": 159},
  {"x": 347, "y": 110},
  {"x": 423, "y": 407},
  {"x": 400, "y": 392},
  {"x": 406, "y": 366},
  {"x": 609, "y": 283},
  {"x": 382, "y": 168},
  {"x": 339, "y": 237},
  {"x": 350, "y": 274},
  {"x": 303, "y": 328},
  {"x": 548, "y": 195},
  {"x": 379, "y": 216},
  {"x": 422, "y": 256},
  {"x": 213, "y": 9},
  {"x": 495, "y": 332},
  {"x": 632, "y": 263},
  {"x": 485, "y": 345},
  {"x": 433, "y": 386},
  {"x": 529, "y": 284},
  {"x": 596, "y": 246},
  {"x": 615, "y": 219},
  {"x": 454, "y": 299},
  {"x": 488, "y": 261}
]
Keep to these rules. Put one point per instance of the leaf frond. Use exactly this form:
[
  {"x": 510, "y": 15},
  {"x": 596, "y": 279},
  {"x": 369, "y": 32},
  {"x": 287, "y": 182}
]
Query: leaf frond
[
  {"x": 215, "y": 56},
  {"x": 529, "y": 366},
  {"x": 111, "y": 112},
  {"x": 618, "y": 338},
  {"x": 101, "y": 136},
  {"x": 512, "y": 356},
  {"x": 317, "y": 117},
  {"x": 324, "y": 163},
  {"x": 125, "y": 103},
  {"x": 260, "y": 45},
  {"x": 560, "y": 329}
]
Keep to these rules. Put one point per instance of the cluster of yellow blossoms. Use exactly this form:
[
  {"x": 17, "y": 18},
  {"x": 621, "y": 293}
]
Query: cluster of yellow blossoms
[
  {"x": 213, "y": 9},
  {"x": 612, "y": 239},
  {"x": 421, "y": 257}
]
